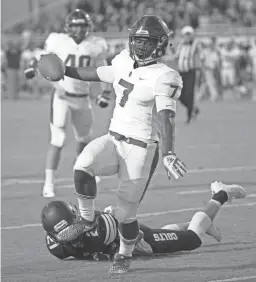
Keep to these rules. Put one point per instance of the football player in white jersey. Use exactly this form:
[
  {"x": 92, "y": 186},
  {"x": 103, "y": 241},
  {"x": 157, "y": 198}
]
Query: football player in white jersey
[
  {"x": 77, "y": 49},
  {"x": 146, "y": 93}
]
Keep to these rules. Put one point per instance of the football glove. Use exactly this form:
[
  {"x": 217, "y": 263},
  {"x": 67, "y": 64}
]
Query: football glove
[
  {"x": 174, "y": 166},
  {"x": 30, "y": 73},
  {"x": 110, "y": 209},
  {"x": 103, "y": 99}
]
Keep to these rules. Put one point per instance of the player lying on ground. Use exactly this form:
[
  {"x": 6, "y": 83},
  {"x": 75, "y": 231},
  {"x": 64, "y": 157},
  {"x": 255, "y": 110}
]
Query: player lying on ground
[
  {"x": 67, "y": 236},
  {"x": 76, "y": 47},
  {"x": 146, "y": 93}
]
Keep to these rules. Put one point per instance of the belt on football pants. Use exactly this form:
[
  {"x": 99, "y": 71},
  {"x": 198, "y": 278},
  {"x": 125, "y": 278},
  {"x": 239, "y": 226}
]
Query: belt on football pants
[
  {"x": 129, "y": 140},
  {"x": 76, "y": 95}
]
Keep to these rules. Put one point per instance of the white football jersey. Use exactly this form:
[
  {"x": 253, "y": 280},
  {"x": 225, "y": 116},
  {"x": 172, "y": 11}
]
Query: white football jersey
[
  {"x": 89, "y": 52},
  {"x": 229, "y": 58},
  {"x": 140, "y": 94}
]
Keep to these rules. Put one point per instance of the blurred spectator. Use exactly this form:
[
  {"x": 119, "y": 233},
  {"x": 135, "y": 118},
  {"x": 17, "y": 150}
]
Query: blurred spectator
[
  {"x": 229, "y": 57},
  {"x": 13, "y": 55},
  {"x": 3, "y": 73},
  {"x": 210, "y": 70},
  {"x": 244, "y": 69}
]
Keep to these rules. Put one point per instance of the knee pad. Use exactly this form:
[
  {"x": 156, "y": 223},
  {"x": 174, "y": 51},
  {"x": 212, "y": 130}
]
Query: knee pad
[
  {"x": 85, "y": 185},
  {"x": 58, "y": 135},
  {"x": 199, "y": 224}
]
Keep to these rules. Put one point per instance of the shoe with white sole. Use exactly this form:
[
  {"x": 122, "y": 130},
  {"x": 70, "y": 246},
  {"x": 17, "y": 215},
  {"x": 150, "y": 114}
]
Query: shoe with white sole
[
  {"x": 233, "y": 191},
  {"x": 48, "y": 191},
  {"x": 214, "y": 232}
]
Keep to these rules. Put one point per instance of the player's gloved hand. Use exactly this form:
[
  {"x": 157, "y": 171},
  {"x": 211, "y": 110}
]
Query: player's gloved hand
[
  {"x": 30, "y": 73},
  {"x": 110, "y": 209},
  {"x": 101, "y": 257},
  {"x": 174, "y": 166},
  {"x": 103, "y": 99}
]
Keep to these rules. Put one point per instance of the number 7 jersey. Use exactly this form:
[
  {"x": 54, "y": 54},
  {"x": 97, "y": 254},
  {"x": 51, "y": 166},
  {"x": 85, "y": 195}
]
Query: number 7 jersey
[
  {"x": 141, "y": 93},
  {"x": 91, "y": 51}
]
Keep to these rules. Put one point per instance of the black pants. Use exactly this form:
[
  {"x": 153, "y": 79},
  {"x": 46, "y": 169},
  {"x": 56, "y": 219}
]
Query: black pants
[
  {"x": 188, "y": 93},
  {"x": 168, "y": 241}
]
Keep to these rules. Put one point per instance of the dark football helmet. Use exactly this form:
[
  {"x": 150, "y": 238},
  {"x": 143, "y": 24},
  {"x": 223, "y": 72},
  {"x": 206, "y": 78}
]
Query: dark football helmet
[
  {"x": 78, "y": 25},
  {"x": 148, "y": 39},
  {"x": 56, "y": 216},
  {"x": 63, "y": 223}
]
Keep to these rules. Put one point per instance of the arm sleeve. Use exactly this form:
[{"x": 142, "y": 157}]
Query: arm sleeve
[
  {"x": 106, "y": 74},
  {"x": 56, "y": 249},
  {"x": 62, "y": 251},
  {"x": 167, "y": 90}
]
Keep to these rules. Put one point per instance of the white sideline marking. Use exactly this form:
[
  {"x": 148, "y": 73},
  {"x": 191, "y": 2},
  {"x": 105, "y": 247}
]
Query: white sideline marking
[
  {"x": 139, "y": 215},
  {"x": 13, "y": 181},
  {"x": 242, "y": 278},
  {"x": 192, "y": 192}
]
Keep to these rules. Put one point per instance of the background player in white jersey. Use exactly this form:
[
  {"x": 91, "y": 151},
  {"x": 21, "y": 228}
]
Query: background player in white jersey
[
  {"x": 229, "y": 56},
  {"x": 146, "y": 94},
  {"x": 77, "y": 49}
]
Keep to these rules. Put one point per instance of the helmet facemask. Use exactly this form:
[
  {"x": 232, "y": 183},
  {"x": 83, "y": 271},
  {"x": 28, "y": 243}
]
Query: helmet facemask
[
  {"x": 78, "y": 31},
  {"x": 146, "y": 49}
]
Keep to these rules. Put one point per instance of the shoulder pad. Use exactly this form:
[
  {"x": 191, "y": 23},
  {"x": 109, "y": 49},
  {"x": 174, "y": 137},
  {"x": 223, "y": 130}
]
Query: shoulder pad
[{"x": 122, "y": 59}]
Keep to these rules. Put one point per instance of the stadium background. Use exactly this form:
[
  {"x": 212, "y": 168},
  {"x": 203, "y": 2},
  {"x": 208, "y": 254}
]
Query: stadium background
[{"x": 219, "y": 145}]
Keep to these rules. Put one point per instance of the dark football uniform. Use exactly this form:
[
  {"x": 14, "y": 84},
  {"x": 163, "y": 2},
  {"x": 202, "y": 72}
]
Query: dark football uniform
[{"x": 104, "y": 240}]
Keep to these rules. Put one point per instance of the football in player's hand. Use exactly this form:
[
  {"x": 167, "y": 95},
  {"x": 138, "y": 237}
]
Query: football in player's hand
[{"x": 51, "y": 67}]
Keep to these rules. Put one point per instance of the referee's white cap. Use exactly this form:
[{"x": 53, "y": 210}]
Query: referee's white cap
[{"x": 187, "y": 29}]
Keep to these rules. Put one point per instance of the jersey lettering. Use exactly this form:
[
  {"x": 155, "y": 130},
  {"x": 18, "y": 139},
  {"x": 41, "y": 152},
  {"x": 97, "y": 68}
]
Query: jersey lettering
[
  {"x": 77, "y": 61},
  {"x": 51, "y": 243},
  {"x": 175, "y": 88},
  {"x": 128, "y": 89},
  {"x": 165, "y": 236}
]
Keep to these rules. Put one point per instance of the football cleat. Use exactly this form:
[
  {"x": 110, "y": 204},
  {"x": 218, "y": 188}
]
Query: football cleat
[
  {"x": 48, "y": 191},
  {"x": 233, "y": 191},
  {"x": 120, "y": 265},
  {"x": 214, "y": 232}
]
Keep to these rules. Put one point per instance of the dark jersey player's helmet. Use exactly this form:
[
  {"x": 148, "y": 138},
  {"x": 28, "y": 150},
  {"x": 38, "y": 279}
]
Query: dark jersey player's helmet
[
  {"x": 148, "y": 39},
  {"x": 56, "y": 216},
  {"x": 63, "y": 223},
  {"x": 78, "y": 18}
]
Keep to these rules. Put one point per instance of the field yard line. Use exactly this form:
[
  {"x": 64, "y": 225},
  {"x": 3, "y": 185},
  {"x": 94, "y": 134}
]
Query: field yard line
[
  {"x": 9, "y": 182},
  {"x": 190, "y": 147},
  {"x": 139, "y": 215},
  {"x": 192, "y": 192},
  {"x": 242, "y": 278}
]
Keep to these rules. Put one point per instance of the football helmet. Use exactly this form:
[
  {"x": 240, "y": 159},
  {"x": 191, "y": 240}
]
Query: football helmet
[
  {"x": 78, "y": 25},
  {"x": 63, "y": 223},
  {"x": 56, "y": 216},
  {"x": 148, "y": 39}
]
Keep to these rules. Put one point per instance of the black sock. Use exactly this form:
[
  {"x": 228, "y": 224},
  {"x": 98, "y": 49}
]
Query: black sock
[{"x": 221, "y": 197}]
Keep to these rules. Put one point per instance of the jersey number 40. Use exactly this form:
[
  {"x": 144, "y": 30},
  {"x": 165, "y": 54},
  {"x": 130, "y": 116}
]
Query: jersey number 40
[{"x": 77, "y": 61}]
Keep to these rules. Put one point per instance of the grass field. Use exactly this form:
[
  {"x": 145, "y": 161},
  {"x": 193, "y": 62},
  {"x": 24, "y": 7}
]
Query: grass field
[{"x": 219, "y": 146}]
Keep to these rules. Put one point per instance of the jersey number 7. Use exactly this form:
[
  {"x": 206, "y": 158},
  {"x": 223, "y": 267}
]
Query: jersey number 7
[{"x": 128, "y": 89}]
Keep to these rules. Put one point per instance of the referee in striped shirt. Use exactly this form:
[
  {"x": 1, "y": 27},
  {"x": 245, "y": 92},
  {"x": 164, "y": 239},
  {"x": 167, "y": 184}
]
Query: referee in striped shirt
[{"x": 189, "y": 55}]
